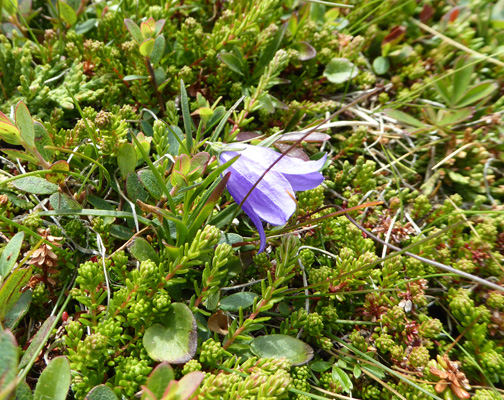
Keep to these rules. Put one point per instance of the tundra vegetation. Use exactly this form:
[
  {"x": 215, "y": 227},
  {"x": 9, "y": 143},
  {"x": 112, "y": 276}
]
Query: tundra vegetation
[{"x": 208, "y": 199}]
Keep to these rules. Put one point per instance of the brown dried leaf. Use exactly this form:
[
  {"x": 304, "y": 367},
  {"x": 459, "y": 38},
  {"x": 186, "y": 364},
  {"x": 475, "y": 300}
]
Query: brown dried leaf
[{"x": 218, "y": 323}]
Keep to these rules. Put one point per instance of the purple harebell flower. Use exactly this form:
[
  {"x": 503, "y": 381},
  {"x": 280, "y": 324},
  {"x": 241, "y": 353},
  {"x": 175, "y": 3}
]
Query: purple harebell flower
[{"x": 273, "y": 200}]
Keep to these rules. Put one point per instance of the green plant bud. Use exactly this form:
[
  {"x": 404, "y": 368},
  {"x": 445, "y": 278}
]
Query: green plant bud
[
  {"x": 191, "y": 366},
  {"x": 485, "y": 394},
  {"x": 307, "y": 257},
  {"x": 33, "y": 221},
  {"x": 314, "y": 324},
  {"x": 211, "y": 351},
  {"x": 321, "y": 275},
  {"x": 384, "y": 342},
  {"x": 465, "y": 265},
  {"x": 419, "y": 357},
  {"x": 397, "y": 352},
  {"x": 496, "y": 301},
  {"x": 161, "y": 302},
  {"x": 358, "y": 340},
  {"x": 430, "y": 328},
  {"x": 148, "y": 270}
]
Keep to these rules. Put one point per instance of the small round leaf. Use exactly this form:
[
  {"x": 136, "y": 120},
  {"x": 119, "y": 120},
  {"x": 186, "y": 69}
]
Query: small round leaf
[
  {"x": 176, "y": 341},
  {"x": 282, "y": 346},
  {"x": 237, "y": 300},
  {"x": 340, "y": 70}
]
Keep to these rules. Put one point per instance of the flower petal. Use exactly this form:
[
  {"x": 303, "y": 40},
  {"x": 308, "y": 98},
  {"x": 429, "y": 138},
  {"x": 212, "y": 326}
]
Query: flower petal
[
  {"x": 270, "y": 200},
  {"x": 306, "y": 181},
  {"x": 258, "y": 224},
  {"x": 287, "y": 165}
]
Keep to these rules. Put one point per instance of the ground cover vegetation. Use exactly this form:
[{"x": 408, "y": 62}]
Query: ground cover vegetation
[{"x": 146, "y": 253}]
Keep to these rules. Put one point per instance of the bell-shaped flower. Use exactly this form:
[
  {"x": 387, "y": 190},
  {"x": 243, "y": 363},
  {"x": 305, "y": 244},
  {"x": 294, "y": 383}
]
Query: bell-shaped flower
[{"x": 273, "y": 199}]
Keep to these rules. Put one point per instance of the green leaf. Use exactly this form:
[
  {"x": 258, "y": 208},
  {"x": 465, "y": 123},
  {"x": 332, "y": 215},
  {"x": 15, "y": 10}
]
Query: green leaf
[
  {"x": 320, "y": 366},
  {"x": 142, "y": 250},
  {"x": 198, "y": 165},
  {"x": 146, "y": 47},
  {"x": 9, "y": 132},
  {"x": 10, "y": 254},
  {"x": 374, "y": 370},
  {"x": 20, "y": 154},
  {"x": 175, "y": 341},
  {"x": 340, "y": 70},
  {"x": 444, "y": 88},
  {"x": 134, "y": 188},
  {"x": 160, "y": 76},
  {"x": 19, "y": 310},
  {"x": 55, "y": 381},
  {"x": 35, "y": 185},
  {"x": 24, "y": 392},
  {"x": 184, "y": 104},
  {"x": 148, "y": 179},
  {"x": 461, "y": 77},
  {"x": 497, "y": 16},
  {"x": 232, "y": 62},
  {"x": 60, "y": 165},
  {"x": 282, "y": 346},
  {"x": 306, "y": 51},
  {"x": 67, "y": 13},
  {"x": 40, "y": 338},
  {"x": 477, "y": 93},
  {"x": 158, "y": 27},
  {"x": 237, "y": 300},
  {"x": 134, "y": 30},
  {"x": 10, "y": 7},
  {"x": 342, "y": 378},
  {"x": 101, "y": 392},
  {"x": 269, "y": 52},
  {"x": 454, "y": 117},
  {"x": 357, "y": 371},
  {"x": 189, "y": 384},
  {"x": 134, "y": 77},
  {"x": 120, "y": 232},
  {"x": 61, "y": 201},
  {"x": 158, "y": 51},
  {"x": 208, "y": 207},
  {"x": 24, "y": 123},
  {"x": 86, "y": 26},
  {"x": 404, "y": 118},
  {"x": 8, "y": 360},
  {"x": 10, "y": 292},
  {"x": 42, "y": 139},
  {"x": 230, "y": 238},
  {"x": 126, "y": 159},
  {"x": 158, "y": 380},
  {"x": 381, "y": 65}
]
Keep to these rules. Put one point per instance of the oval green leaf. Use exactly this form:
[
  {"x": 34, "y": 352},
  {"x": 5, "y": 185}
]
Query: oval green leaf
[
  {"x": 381, "y": 65},
  {"x": 24, "y": 123},
  {"x": 126, "y": 159},
  {"x": 146, "y": 47},
  {"x": 176, "y": 341},
  {"x": 35, "y": 185},
  {"x": 142, "y": 250},
  {"x": 237, "y": 300},
  {"x": 55, "y": 381},
  {"x": 67, "y": 13},
  {"x": 282, "y": 346},
  {"x": 10, "y": 254},
  {"x": 8, "y": 360},
  {"x": 158, "y": 380},
  {"x": 101, "y": 392},
  {"x": 340, "y": 70}
]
